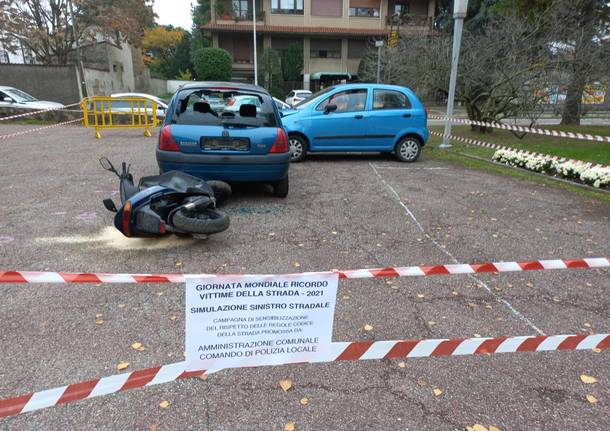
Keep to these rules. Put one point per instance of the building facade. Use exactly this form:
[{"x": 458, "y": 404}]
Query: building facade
[{"x": 333, "y": 33}]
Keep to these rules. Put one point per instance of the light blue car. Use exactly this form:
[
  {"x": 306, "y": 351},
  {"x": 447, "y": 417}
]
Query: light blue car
[{"x": 358, "y": 118}]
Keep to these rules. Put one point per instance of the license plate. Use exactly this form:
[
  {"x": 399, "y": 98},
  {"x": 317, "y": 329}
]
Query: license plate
[{"x": 219, "y": 144}]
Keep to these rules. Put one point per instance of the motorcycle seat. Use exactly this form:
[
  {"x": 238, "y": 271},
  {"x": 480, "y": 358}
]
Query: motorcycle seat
[{"x": 178, "y": 181}]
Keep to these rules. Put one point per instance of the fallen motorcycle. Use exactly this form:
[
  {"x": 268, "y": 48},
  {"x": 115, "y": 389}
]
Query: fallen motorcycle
[{"x": 173, "y": 202}]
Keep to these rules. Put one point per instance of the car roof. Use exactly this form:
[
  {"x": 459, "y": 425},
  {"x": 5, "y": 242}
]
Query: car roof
[
  {"x": 235, "y": 85},
  {"x": 6, "y": 87},
  {"x": 370, "y": 85},
  {"x": 301, "y": 91},
  {"x": 134, "y": 95}
]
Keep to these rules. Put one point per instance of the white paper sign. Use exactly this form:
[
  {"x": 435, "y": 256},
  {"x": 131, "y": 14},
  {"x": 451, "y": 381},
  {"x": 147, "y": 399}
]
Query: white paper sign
[{"x": 251, "y": 320}]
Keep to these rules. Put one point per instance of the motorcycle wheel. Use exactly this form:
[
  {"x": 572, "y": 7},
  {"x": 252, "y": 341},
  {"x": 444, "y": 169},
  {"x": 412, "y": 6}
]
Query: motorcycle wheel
[
  {"x": 222, "y": 190},
  {"x": 206, "y": 221}
]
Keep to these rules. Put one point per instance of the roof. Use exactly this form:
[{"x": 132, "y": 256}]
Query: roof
[
  {"x": 298, "y": 30},
  {"x": 236, "y": 85}
]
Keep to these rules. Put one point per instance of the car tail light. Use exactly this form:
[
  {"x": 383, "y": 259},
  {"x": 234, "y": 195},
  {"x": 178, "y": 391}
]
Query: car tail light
[
  {"x": 281, "y": 142},
  {"x": 231, "y": 102},
  {"x": 126, "y": 220},
  {"x": 166, "y": 140}
]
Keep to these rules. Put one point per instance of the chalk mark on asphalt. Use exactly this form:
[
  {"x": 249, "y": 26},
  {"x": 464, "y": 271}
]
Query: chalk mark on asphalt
[{"x": 444, "y": 250}]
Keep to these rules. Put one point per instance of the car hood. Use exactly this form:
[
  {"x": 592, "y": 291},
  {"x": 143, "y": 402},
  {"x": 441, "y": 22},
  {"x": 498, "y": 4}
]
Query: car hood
[
  {"x": 288, "y": 112},
  {"x": 40, "y": 104}
]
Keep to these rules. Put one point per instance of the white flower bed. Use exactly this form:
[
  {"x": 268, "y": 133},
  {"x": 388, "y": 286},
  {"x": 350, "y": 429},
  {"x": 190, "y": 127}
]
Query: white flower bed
[{"x": 595, "y": 176}]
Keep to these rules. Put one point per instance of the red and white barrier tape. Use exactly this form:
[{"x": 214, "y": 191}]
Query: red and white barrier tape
[
  {"x": 38, "y": 129},
  {"x": 480, "y": 143},
  {"x": 27, "y": 114},
  {"x": 404, "y": 271},
  {"x": 346, "y": 351},
  {"x": 538, "y": 131}
]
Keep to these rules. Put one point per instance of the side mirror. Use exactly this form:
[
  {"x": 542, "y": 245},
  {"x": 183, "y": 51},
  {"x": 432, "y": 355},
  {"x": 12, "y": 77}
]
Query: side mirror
[
  {"x": 109, "y": 204},
  {"x": 330, "y": 108},
  {"x": 7, "y": 99},
  {"x": 282, "y": 114},
  {"x": 107, "y": 165}
]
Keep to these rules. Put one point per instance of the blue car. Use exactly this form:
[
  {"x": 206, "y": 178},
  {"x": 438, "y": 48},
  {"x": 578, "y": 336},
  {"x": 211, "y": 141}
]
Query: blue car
[
  {"x": 358, "y": 118},
  {"x": 203, "y": 135}
]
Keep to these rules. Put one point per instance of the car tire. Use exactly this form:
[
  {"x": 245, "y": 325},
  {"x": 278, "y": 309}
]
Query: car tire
[
  {"x": 280, "y": 188},
  {"x": 298, "y": 148},
  {"x": 408, "y": 149},
  {"x": 207, "y": 221},
  {"x": 222, "y": 190}
]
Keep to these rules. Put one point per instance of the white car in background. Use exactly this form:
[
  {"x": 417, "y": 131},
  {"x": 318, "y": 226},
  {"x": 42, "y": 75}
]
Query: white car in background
[
  {"x": 125, "y": 106},
  {"x": 14, "y": 98},
  {"x": 296, "y": 96},
  {"x": 235, "y": 103}
]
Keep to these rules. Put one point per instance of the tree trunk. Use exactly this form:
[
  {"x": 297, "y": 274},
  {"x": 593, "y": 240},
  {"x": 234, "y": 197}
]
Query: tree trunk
[{"x": 582, "y": 58}]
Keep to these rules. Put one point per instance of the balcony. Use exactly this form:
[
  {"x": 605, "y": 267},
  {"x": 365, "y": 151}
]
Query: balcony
[{"x": 408, "y": 20}]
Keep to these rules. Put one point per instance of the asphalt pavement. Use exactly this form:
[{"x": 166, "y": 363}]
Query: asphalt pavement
[{"x": 345, "y": 212}]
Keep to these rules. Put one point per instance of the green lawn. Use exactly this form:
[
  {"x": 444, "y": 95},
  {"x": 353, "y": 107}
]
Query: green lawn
[
  {"x": 465, "y": 155},
  {"x": 598, "y": 152}
]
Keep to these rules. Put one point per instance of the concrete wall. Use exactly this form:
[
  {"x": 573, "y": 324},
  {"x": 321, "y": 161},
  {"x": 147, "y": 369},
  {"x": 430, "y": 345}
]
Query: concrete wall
[
  {"x": 158, "y": 87},
  {"x": 174, "y": 84},
  {"x": 54, "y": 83}
]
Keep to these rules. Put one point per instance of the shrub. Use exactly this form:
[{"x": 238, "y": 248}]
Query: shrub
[
  {"x": 213, "y": 64},
  {"x": 292, "y": 62}
]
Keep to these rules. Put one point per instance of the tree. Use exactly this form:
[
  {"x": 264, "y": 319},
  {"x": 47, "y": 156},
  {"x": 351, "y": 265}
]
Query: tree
[
  {"x": 45, "y": 26},
  {"x": 160, "y": 44},
  {"x": 182, "y": 60},
  {"x": 213, "y": 64},
  {"x": 201, "y": 13},
  {"x": 270, "y": 72},
  {"x": 292, "y": 62}
]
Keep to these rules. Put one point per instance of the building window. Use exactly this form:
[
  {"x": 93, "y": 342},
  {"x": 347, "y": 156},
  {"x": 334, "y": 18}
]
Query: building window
[
  {"x": 294, "y": 7},
  {"x": 325, "y": 48},
  {"x": 240, "y": 8},
  {"x": 401, "y": 8},
  {"x": 364, "y": 11}
]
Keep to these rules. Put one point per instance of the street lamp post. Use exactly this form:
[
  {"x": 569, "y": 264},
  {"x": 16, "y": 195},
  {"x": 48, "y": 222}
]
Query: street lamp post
[
  {"x": 254, "y": 28},
  {"x": 460, "y": 8},
  {"x": 379, "y": 45}
]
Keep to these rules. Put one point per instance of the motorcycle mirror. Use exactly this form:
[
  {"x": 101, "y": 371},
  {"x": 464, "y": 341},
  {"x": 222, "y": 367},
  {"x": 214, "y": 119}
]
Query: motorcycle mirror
[
  {"x": 106, "y": 164},
  {"x": 109, "y": 204}
]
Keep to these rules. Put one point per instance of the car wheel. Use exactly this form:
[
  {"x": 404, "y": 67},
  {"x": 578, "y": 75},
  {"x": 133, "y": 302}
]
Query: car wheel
[
  {"x": 408, "y": 149},
  {"x": 280, "y": 188},
  {"x": 298, "y": 148}
]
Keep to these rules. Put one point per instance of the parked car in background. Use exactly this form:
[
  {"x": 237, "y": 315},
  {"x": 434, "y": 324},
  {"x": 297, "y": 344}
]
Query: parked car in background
[
  {"x": 297, "y": 96},
  {"x": 247, "y": 144},
  {"x": 281, "y": 105},
  {"x": 15, "y": 98},
  {"x": 358, "y": 118},
  {"x": 125, "y": 106}
]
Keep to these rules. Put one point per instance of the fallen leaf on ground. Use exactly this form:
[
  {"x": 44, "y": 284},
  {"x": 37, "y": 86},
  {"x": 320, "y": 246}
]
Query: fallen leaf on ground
[
  {"x": 178, "y": 264},
  {"x": 164, "y": 404},
  {"x": 421, "y": 382},
  {"x": 289, "y": 426},
  {"x": 437, "y": 392},
  {"x": 97, "y": 316},
  {"x": 587, "y": 325},
  {"x": 597, "y": 350},
  {"x": 591, "y": 399},
  {"x": 286, "y": 384},
  {"x": 141, "y": 349},
  {"x": 203, "y": 377},
  {"x": 160, "y": 293},
  {"x": 136, "y": 345},
  {"x": 368, "y": 328},
  {"x": 431, "y": 323},
  {"x": 478, "y": 427},
  {"x": 454, "y": 293},
  {"x": 304, "y": 401},
  {"x": 472, "y": 305},
  {"x": 345, "y": 297},
  {"x": 477, "y": 335},
  {"x": 421, "y": 295},
  {"x": 493, "y": 428},
  {"x": 122, "y": 365},
  {"x": 154, "y": 427},
  {"x": 401, "y": 364},
  {"x": 488, "y": 306},
  {"x": 334, "y": 232},
  {"x": 588, "y": 379},
  {"x": 121, "y": 305},
  {"x": 99, "y": 321},
  {"x": 530, "y": 284},
  {"x": 297, "y": 264}
]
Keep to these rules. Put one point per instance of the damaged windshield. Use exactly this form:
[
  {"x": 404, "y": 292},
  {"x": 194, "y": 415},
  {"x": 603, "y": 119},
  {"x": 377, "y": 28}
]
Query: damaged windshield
[{"x": 228, "y": 107}]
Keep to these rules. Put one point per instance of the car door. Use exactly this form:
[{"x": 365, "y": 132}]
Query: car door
[
  {"x": 346, "y": 127},
  {"x": 390, "y": 113}
]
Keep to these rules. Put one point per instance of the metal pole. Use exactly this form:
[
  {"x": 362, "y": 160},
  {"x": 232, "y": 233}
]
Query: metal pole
[
  {"x": 79, "y": 59},
  {"x": 378, "y": 63},
  {"x": 457, "y": 39},
  {"x": 255, "y": 56}
]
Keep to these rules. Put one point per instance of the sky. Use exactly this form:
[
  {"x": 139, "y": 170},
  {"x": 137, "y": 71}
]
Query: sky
[{"x": 174, "y": 12}]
